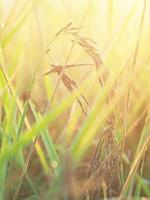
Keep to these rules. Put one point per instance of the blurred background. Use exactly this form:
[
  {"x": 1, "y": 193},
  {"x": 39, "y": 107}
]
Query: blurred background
[{"x": 28, "y": 27}]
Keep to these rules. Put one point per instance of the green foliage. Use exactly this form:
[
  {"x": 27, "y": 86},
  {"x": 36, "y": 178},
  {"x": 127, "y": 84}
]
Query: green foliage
[{"x": 56, "y": 87}]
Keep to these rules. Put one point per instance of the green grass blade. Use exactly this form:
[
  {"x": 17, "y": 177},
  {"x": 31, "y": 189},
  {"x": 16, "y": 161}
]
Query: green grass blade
[{"x": 50, "y": 147}]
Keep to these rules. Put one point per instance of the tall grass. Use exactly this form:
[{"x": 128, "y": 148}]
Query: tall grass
[{"x": 74, "y": 100}]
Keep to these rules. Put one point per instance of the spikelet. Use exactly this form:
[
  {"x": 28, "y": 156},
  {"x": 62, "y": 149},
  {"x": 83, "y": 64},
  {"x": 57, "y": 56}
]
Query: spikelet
[
  {"x": 104, "y": 171},
  {"x": 70, "y": 84}
]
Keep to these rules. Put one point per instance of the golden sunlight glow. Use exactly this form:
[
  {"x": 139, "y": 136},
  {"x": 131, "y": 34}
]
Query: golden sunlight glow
[{"x": 74, "y": 99}]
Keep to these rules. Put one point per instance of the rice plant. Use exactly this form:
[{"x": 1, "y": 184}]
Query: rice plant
[{"x": 74, "y": 99}]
